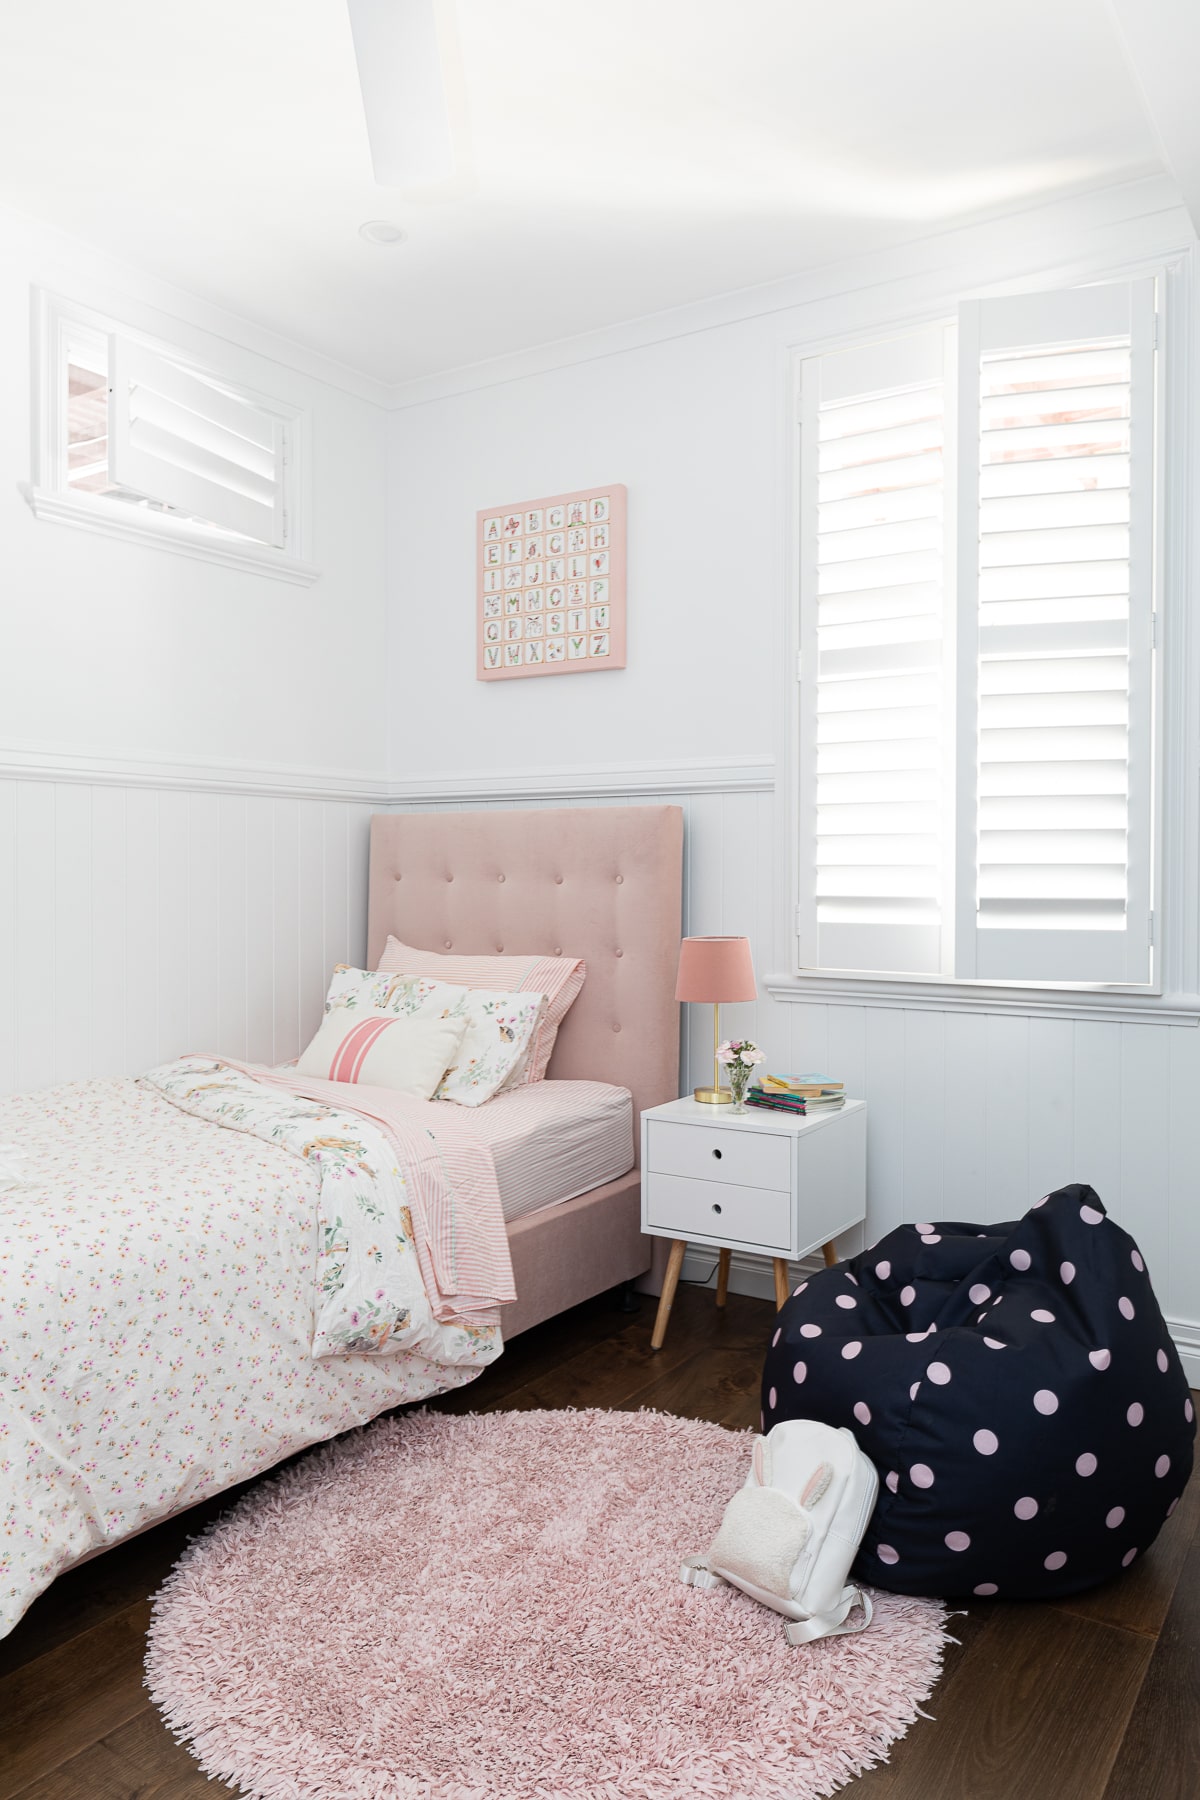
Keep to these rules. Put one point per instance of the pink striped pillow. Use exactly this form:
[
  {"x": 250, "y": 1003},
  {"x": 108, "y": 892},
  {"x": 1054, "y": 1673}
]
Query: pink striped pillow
[
  {"x": 558, "y": 977},
  {"x": 381, "y": 1049}
]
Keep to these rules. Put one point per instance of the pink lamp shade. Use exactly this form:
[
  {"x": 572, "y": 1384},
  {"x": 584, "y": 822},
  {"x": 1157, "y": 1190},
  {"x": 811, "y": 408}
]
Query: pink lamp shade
[{"x": 715, "y": 969}]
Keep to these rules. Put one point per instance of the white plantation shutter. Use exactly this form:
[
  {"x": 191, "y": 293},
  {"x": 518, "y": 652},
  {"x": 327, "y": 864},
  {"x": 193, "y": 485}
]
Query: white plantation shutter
[
  {"x": 873, "y": 654},
  {"x": 1055, "y": 635},
  {"x": 181, "y": 439}
]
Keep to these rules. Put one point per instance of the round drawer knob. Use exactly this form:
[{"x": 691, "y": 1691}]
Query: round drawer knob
[{"x": 716, "y": 1206}]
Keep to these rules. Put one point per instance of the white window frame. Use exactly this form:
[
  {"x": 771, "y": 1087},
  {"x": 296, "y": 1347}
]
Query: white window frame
[
  {"x": 1173, "y": 995},
  {"x": 58, "y": 324}
]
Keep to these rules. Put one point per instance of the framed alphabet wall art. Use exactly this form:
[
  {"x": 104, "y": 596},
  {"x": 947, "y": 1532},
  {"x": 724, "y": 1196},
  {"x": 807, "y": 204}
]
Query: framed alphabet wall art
[{"x": 550, "y": 585}]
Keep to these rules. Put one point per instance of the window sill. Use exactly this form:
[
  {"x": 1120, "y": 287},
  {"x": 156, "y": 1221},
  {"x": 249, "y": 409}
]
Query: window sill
[
  {"x": 931, "y": 995},
  {"x": 136, "y": 525}
]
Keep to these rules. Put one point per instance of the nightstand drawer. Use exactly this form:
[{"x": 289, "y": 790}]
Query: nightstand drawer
[
  {"x": 706, "y": 1153},
  {"x": 681, "y": 1207}
]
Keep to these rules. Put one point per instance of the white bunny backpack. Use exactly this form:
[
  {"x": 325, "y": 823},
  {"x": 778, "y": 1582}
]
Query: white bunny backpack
[{"x": 789, "y": 1536}]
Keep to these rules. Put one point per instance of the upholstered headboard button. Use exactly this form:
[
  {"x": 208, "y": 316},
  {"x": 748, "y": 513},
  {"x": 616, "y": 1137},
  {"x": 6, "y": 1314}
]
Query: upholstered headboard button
[
  {"x": 618, "y": 953},
  {"x": 499, "y": 878},
  {"x": 620, "y": 879},
  {"x": 558, "y": 879}
]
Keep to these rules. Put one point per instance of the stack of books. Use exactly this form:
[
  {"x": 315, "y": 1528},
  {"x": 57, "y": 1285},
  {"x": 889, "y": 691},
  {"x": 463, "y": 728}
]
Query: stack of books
[{"x": 797, "y": 1094}]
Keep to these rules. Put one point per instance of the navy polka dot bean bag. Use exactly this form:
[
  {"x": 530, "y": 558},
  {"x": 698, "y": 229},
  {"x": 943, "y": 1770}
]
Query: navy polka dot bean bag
[{"x": 1014, "y": 1385}]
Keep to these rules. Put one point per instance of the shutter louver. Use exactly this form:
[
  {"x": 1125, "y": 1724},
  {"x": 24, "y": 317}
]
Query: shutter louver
[
  {"x": 181, "y": 440},
  {"x": 1055, "y": 600},
  {"x": 876, "y": 710}
]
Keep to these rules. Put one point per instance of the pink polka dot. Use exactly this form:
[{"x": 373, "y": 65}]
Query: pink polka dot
[
  {"x": 1020, "y": 1259},
  {"x": 985, "y": 1588},
  {"x": 1085, "y": 1464},
  {"x": 1188, "y": 1410},
  {"x": 862, "y": 1412},
  {"x": 771, "y": 1399},
  {"x": 810, "y": 1331},
  {"x": 931, "y": 1237},
  {"x": 800, "y": 1371},
  {"x": 1125, "y": 1307},
  {"x": 1136, "y": 1413},
  {"x": 1162, "y": 1360},
  {"x": 1090, "y": 1216},
  {"x": 993, "y": 1343},
  {"x": 915, "y": 1337},
  {"x": 1137, "y": 1262},
  {"x": 937, "y": 1371},
  {"x": 1042, "y": 1316},
  {"x": 1066, "y": 1273},
  {"x": 1026, "y": 1507},
  {"x": 925, "y": 1227},
  {"x": 776, "y": 1338},
  {"x": 851, "y": 1278},
  {"x": 1046, "y": 1401},
  {"x": 893, "y": 1482},
  {"x": 907, "y": 1295},
  {"x": 797, "y": 1291},
  {"x": 914, "y": 1390},
  {"x": 883, "y": 1270},
  {"x": 850, "y": 1351},
  {"x": 978, "y": 1294},
  {"x": 1113, "y": 1519},
  {"x": 1161, "y": 1466},
  {"x": 1128, "y": 1558},
  {"x": 986, "y": 1442},
  {"x": 1099, "y": 1359},
  {"x": 846, "y": 1300},
  {"x": 957, "y": 1540},
  {"x": 886, "y": 1554},
  {"x": 921, "y": 1475},
  {"x": 1055, "y": 1560},
  {"x": 1173, "y": 1505}
]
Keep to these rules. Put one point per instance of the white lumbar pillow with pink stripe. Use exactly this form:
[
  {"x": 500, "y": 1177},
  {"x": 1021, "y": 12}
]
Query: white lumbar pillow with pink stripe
[
  {"x": 383, "y": 1049},
  {"x": 485, "y": 1035}
]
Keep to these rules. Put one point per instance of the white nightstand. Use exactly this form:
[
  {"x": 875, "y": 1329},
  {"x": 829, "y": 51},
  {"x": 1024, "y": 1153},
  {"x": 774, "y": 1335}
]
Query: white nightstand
[{"x": 760, "y": 1181}]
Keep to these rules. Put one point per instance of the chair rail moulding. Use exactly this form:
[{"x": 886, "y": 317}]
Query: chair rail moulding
[
  {"x": 964, "y": 996},
  {"x": 49, "y": 762}
]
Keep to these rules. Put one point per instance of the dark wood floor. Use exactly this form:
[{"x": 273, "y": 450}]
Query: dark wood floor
[{"x": 1091, "y": 1699}]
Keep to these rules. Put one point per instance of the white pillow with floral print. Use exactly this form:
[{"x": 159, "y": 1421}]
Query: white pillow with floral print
[{"x": 498, "y": 1026}]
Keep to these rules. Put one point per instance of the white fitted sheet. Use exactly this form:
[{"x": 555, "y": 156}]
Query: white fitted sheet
[{"x": 556, "y": 1139}]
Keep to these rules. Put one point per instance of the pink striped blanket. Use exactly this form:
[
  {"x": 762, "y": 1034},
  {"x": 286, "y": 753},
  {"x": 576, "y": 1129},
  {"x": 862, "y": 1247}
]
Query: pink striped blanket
[{"x": 458, "y": 1225}]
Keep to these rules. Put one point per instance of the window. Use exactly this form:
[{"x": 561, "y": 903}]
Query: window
[
  {"x": 137, "y": 439},
  {"x": 977, "y": 645}
]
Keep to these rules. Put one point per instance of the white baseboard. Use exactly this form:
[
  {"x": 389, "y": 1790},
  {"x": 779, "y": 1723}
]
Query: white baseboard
[{"x": 753, "y": 1275}]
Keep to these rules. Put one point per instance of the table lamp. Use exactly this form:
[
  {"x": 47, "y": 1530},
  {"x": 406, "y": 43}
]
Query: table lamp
[{"x": 713, "y": 970}]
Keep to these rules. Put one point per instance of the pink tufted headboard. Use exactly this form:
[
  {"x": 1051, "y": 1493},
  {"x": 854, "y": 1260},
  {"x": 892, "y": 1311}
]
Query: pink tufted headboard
[{"x": 604, "y": 883}]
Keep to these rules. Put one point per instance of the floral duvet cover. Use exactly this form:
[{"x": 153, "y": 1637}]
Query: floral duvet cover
[{"x": 199, "y": 1275}]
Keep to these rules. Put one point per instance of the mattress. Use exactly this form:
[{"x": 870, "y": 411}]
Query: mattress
[{"x": 556, "y": 1139}]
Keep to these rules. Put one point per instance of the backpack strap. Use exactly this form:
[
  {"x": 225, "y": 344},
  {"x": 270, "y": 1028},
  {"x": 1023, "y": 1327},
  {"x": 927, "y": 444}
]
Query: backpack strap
[{"x": 831, "y": 1624}]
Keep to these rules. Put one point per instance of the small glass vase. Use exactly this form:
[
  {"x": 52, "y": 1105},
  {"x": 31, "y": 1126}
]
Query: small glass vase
[{"x": 738, "y": 1083}]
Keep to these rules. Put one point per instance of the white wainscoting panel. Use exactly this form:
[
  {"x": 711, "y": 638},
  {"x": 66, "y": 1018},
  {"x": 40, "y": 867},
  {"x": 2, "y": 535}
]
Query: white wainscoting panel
[{"x": 139, "y": 923}]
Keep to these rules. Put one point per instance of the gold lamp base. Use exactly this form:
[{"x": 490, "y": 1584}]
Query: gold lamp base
[{"x": 713, "y": 1096}]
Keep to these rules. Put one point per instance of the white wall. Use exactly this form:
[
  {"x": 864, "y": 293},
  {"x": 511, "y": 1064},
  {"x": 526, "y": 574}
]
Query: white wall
[
  {"x": 185, "y": 749},
  {"x": 121, "y": 647},
  {"x": 971, "y": 1114}
]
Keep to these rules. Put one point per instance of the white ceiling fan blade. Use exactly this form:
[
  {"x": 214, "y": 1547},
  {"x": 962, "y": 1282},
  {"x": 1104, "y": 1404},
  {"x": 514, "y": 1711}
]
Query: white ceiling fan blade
[{"x": 403, "y": 89}]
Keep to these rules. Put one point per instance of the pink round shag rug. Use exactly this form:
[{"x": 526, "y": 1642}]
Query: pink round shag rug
[{"x": 489, "y": 1607}]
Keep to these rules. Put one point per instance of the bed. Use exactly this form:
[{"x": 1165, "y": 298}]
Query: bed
[{"x": 162, "y": 1335}]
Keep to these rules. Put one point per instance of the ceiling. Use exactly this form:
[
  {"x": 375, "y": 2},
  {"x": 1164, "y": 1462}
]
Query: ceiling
[{"x": 615, "y": 158}]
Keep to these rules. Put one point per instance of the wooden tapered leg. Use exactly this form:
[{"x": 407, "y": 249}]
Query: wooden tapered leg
[
  {"x": 781, "y": 1280},
  {"x": 667, "y": 1297},
  {"x": 829, "y": 1251},
  {"x": 723, "y": 1276}
]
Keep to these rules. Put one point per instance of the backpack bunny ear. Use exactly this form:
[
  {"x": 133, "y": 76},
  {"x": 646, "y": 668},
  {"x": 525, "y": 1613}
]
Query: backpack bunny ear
[
  {"x": 816, "y": 1485},
  {"x": 758, "y": 1463}
]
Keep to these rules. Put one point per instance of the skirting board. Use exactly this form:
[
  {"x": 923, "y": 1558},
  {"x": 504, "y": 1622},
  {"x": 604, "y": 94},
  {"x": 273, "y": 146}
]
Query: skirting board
[{"x": 753, "y": 1275}]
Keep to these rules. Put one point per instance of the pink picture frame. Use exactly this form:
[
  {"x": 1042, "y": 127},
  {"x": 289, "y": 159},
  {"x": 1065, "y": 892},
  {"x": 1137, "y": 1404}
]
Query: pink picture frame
[{"x": 550, "y": 585}]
